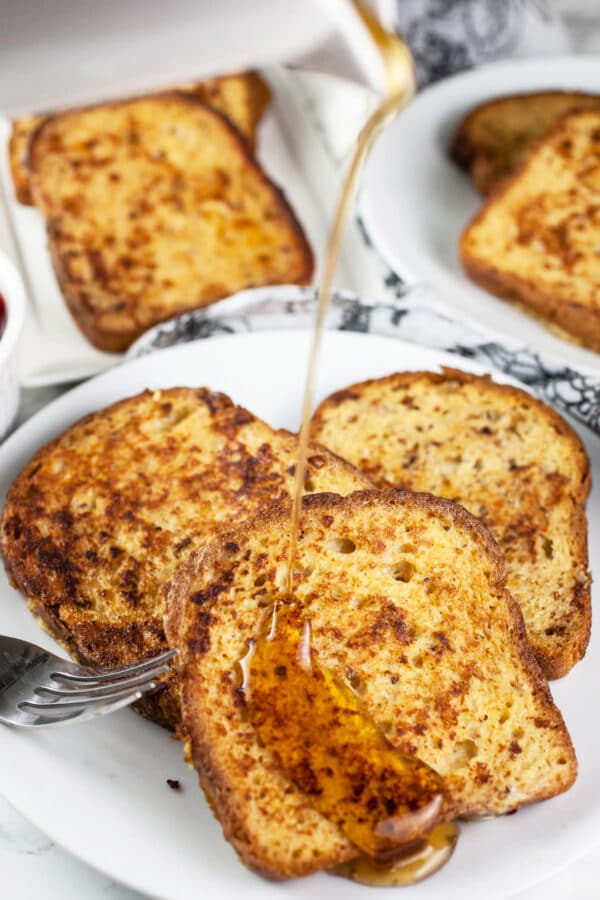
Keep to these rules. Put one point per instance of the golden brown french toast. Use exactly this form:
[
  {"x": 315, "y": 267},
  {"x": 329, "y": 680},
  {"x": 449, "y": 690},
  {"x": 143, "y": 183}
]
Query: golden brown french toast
[
  {"x": 242, "y": 98},
  {"x": 100, "y": 518},
  {"x": 155, "y": 207},
  {"x": 493, "y": 139},
  {"x": 508, "y": 458},
  {"x": 535, "y": 239},
  {"x": 406, "y": 604}
]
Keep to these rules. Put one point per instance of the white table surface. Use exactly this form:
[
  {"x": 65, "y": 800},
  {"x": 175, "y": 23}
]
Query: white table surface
[{"x": 33, "y": 866}]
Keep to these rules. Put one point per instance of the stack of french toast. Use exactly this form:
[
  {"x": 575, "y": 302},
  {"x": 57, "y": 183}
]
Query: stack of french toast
[
  {"x": 536, "y": 158},
  {"x": 441, "y": 578},
  {"x": 156, "y": 205}
]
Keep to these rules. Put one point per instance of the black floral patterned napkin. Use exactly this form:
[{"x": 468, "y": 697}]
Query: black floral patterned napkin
[
  {"x": 447, "y": 36},
  {"x": 413, "y": 315}
]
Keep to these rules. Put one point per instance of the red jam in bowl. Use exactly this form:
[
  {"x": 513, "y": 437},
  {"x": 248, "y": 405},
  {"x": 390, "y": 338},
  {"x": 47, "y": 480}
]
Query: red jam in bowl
[{"x": 2, "y": 314}]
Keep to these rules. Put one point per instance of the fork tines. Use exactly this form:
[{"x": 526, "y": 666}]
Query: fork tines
[{"x": 94, "y": 694}]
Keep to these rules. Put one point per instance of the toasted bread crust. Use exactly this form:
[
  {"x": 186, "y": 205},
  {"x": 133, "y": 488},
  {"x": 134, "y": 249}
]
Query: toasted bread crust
[
  {"x": 102, "y": 515},
  {"x": 578, "y": 323},
  {"x": 233, "y": 770},
  {"x": 157, "y": 250},
  {"x": 495, "y": 136},
  {"x": 567, "y": 606},
  {"x": 527, "y": 243},
  {"x": 242, "y": 98}
]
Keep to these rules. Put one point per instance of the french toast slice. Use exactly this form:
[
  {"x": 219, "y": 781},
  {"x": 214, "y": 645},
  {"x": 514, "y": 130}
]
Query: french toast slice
[
  {"x": 241, "y": 98},
  {"x": 407, "y": 605},
  {"x": 154, "y": 207},
  {"x": 100, "y": 518},
  {"x": 494, "y": 137},
  {"x": 508, "y": 458},
  {"x": 535, "y": 239}
]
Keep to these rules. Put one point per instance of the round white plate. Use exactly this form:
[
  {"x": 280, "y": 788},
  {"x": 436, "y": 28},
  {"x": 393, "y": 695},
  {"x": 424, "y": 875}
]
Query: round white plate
[
  {"x": 99, "y": 789},
  {"x": 416, "y": 202}
]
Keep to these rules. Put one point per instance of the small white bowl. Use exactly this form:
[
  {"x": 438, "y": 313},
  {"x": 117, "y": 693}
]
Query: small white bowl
[{"x": 13, "y": 292}]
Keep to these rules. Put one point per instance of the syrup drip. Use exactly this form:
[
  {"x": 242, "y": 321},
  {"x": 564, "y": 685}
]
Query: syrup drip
[
  {"x": 329, "y": 747},
  {"x": 401, "y": 85},
  {"x": 418, "y": 861}
]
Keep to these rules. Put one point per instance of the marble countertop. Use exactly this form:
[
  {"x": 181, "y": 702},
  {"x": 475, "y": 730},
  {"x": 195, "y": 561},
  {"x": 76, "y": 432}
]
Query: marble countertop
[{"x": 32, "y": 865}]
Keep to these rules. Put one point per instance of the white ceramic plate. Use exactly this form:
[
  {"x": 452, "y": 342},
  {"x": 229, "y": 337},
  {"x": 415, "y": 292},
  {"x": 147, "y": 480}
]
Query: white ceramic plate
[
  {"x": 99, "y": 789},
  {"x": 416, "y": 202}
]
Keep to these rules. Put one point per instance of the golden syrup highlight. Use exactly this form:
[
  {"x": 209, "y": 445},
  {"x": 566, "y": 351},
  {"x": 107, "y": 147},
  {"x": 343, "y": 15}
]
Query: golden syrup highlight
[{"x": 326, "y": 743}]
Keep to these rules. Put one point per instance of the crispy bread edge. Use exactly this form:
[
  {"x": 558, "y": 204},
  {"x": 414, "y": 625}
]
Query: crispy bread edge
[
  {"x": 86, "y": 316},
  {"x": 206, "y": 761}
]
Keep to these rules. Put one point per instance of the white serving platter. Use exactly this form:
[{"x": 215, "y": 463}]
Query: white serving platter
[{"x": 99, "y": 789}]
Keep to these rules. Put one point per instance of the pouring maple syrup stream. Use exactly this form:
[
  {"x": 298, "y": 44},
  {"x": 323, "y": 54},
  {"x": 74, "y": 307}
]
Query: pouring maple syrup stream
[
  {"x": 396, "y": 828},
  {"x": 401, "y": 85}
]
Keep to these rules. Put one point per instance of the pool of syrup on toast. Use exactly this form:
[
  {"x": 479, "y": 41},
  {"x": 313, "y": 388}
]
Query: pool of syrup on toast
[{"x": 314, "y": 722}]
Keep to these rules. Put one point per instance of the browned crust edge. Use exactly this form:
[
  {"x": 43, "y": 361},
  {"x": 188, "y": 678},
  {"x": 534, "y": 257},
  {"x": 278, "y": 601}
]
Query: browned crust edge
[
  {"x": 82, "y": 310},
  {"x": 581, "y": 603},
  {"x": 577, "y": 320},
  {"x": 160, "y": 706},
  {"x": 212, "y": 773}
]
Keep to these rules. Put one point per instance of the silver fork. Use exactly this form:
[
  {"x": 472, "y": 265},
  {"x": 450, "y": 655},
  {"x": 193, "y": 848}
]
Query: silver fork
[{"x": 38, "y": 688}]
